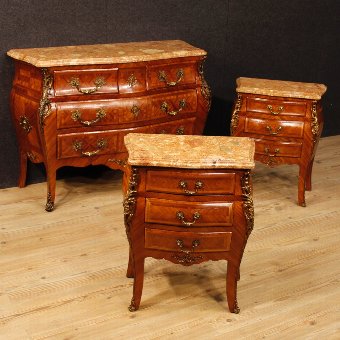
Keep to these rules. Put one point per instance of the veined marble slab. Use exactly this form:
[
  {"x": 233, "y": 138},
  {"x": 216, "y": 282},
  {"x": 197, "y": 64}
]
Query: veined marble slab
[
  {"x": 184, "y": 151},
  {"x": 105, "y": 53},
  {"x": 280, "y": 88}
]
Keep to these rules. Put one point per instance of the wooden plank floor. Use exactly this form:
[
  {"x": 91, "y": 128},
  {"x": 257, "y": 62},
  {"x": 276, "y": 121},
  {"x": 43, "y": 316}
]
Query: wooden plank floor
[{"x": 62, "y": 274}]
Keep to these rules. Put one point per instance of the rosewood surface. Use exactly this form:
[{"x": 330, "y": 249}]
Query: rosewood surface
[
  {"x": 187, "y": 215},
  {"x": 72, "y": 106},
  {"x": 286, "y": 121}
]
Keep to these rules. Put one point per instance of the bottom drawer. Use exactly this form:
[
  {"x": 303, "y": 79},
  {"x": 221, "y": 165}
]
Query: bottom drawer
[
  {"x": 278, "y": 149},
  {"x": 86, "y": 144},
  {"x": 202, "y": 242}
]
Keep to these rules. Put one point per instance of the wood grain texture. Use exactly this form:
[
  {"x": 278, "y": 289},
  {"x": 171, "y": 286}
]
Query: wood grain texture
[
  {"x": 63, "y": 274},
  {"x": 77, "y": 113}
]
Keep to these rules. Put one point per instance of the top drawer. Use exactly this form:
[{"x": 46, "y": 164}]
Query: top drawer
[
  {"x": 275, "y": 107},
  {"x": 173, "y": 75},
  {"x": 190, "y": 183},
  {"x": 85, "y": 82}
]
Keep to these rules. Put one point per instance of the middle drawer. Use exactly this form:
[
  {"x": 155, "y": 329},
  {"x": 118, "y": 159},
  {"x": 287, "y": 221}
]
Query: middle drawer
[
  {"x": 187, "y": 214},
  {"x": 125, "y": 110}
]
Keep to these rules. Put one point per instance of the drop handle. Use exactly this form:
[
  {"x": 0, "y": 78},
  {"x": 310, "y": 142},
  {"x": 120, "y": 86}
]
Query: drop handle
[
  {"x": 184, "y": 186},
  {"x": 164, "y": 78},
  {"x": 76, "y": 116},
  {"x": 165, "y": 107},
  {"x": 272, "y": 131},
  {"x": 78, "y": 146},
  {"x": 98, "y": 83},
  {"x": 267, "y": 152},
  {"x": 271, "y": 110},
  {"x": 181, "y": 217},
  {"x": 194, "y": 245}
]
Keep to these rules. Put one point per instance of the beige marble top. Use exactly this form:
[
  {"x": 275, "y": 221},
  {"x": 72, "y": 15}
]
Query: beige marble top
[
  {"x": 280, "y": 88},
  {"x": 185, "y": 151},
  {"x": 105, "y": 53}
]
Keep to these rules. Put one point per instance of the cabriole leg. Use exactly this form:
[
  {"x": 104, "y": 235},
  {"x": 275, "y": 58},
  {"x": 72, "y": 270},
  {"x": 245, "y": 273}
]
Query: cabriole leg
[
  {"x": 232, "y": 277},
  {"x": 137, "y": 284},
  {"x": 23, "y": 169}
]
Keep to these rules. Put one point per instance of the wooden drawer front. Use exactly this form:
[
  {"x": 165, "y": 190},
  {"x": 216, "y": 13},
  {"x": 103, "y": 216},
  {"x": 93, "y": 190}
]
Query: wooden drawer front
[
  {"x": 276, "y": 107},
  {"x": 178, "y": 127},
  {"x": 278, "y": 149},
  {"x": 187, "y": 183},
  {"x": 86, "y": 144},
  {"x": 173, "y": 104},
  {"x": 102, "y": 112},
  {"x": 85, "y": 82},
  {"x": 187, "y": 214},
  {"x": 187, "y": 241},
  {"x": 271, "y": 127},
  {"x": 175, "y": 75},
  {"x": 131, "y": 80}
]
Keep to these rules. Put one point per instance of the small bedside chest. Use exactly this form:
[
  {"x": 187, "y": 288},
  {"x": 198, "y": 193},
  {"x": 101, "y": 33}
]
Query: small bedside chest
[
  {"x": 187, "y": 199},
  {"x": 285, "y": 119}
]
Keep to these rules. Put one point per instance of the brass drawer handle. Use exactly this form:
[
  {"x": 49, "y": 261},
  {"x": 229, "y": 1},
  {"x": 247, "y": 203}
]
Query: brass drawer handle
[
  {"x": 194, "y": 244},
  {"x": 76, "y": 116},
  {"x": 165, "y": 107},
  {"x": 163, "y": 77},
  {"x": 184, "y": 186},
  {"x": 267, "y": 152},
  {"x": 78, "y": 145},
  {"x": 279, "y": 109},
  {"x": 273, "y": 132},
  {"x": 179, "y": 131},
  {"x": 99, "y": 82},
  {"x": 181, "y": 217}
]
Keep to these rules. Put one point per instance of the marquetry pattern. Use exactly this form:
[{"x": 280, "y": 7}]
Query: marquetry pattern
[{"x": 69, "y": 271}]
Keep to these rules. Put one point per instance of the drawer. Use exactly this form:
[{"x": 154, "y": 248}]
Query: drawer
[
  {"x": 173, "y": 104},
  {"x": 85, "y": 81},
  {"x": 271, "y": 127},
  {"x": 132, "y": 80},
  {"x": 276, "y": 107},
  {"x": 189, "y": 183},
  {"x": 178, "y": 127},
  {"x": 187, "y": 214},
  {"x": 278, "y": 149},
  {"x": 187, "y": 241},
  {"x": 171, "y": 75},
  {"x": 102, "y": 112},
  {"x": 86, "y": 144}
]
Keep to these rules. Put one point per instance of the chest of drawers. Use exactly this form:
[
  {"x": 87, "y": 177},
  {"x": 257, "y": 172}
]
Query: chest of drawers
[
  {"x": 285, "y": 119},
  {"x": 188, "y": 199},
  {"x": 72, "y": 106}
]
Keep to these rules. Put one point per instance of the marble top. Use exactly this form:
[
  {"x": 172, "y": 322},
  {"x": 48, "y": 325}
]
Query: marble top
[
  {"x": 186, "y": 151},
  {"x": 105, "y": 53},
  {"x": 280, "y": 88}
]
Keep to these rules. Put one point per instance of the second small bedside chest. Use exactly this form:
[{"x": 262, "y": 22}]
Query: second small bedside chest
[
  {"x": 188, "y": 199},
  {"x": 285, "y": 119}
]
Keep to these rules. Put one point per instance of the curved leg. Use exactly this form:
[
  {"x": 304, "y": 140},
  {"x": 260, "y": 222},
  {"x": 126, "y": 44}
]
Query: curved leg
[
  {"x": 238, "y": 274},
  {"x": 302, "y": 185},
  {"x": 309, "y": 175},
  {"x": 51, "y": 185},
  {"x": 23, "y": 169},
  {"x": 232, "y": 277},
  {"x": 137, "y": 284},
  {"x": 129, "y": 272}
]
